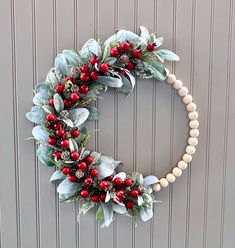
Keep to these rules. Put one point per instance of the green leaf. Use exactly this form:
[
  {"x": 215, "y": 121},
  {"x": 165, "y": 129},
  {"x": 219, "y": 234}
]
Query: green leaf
[
  {"x": 100, "y": 214},
  {"x": 121, "y": 209},
  {"x": 36, "y": 115},
  {"x": 111, "y": 60},
  {"x": 144, "y": 33},
  {"x": 72, "y": 57},
  {"x": 108, "y": 214},
  {"x": 95, "y": 156},
  {"x": 67, "y": 188},
  {"x": 44, "y": 154},
  {"x": 48, "y": 109},
  {"x": 105, "y": 169},
  {"x": 168, "y": 55},
  {"x": 78, "y": 116},
  {"x": 40, "y": 134},
  {"x": 52, "y": 78},
  {"x": 68, "y": 122},
  {"x": 110, "y": 81},
  {"x": 126, "y": 86},
  {"x": 57, "y": 175},
  {"x": 61, "y": 65},
  {"x": 146, "y": 213},
  {"x": 73, "y": 145},
  {"x": 94, "y": 113},
  {"x": 159, "y": 41},
  {"x": 91, "y": 47},
  {"x": 156, "y": 69},
  {"x": 58, "y": 103},
  {"x": 106, "y": 52}
]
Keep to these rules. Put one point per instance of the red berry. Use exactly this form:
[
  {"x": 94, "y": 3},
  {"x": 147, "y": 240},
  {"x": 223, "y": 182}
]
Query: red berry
[
  {"x": 130, "y": 66},
  {"x": 128, "y": 182},
  {"x": 122, "y": 72},
  {"x": 74, "y": 156},
  {"x": 130, "y": 204},
  {"x": 136, "y": 53},
  {"x": 104, "y": 68},
  {"x": 84, "y": 77},
  {"x": 125, "y": 46},
  {"x": 57, "y": 155},
  {"x": 120, "y": 194},
  {"x": 118, "y": 181},
  {"x": 84, "y": 193},
  {"x": 66, "y": 170},
  {"x": 74, "y": 97},
  {"x": 94, "y": 60},
  {"x": 150, "y": 47},
  {"x": 50, "y": 117},
  {"x": 85, "y": 68},
  {"x": 114, "y": 52},
  {"x": 102, "y": 197},
  {"x": 94, "y": 75},
  {"x": 59, "y": 88},
  {"x": 89, "y": 160},
  {"x": 51, "y": 102},
  {"x": 95, "y": 198},
  {"x": 52, "y": 141},
  {"x": 94, "y": 172},
  {"x": 88, "y": 181},
  {"x": 60, "y": 132},
  {"x": 103, "y": 185},
  {"x": 67, "y": 103},
  {"x": 116, "y": 200},
  {"x": 82, "y": 166},
  {"x": 134, "y": 193},
  {"x": 75, "y": 133},
  {"x": 57, "y": 126},
  {"x": 84, "y": 89},
  {"x": 110, "y": 178},
  {"x": 72, "y": 178},
  {"x": 64, "y": 143},
  {"x": 69, "y": 79}
]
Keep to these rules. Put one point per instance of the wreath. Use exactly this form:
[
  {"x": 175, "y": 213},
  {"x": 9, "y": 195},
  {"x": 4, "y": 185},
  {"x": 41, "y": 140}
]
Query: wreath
[{"x": 64, "y": 102}]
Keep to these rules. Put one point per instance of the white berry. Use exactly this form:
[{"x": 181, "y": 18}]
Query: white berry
[
  {"x": 193, "y": 115},
  {"x": 171, "y": 78},
  {"x": 190, "y": 150},
  {"x": 178, "y": 84},
  {"x": 183, "y": 91},
  {"x": 163, "y": 182},
  {"x": 187, "y": 158},
  {"x": 192, "y": 141},
  {"x": 170, "y": 177},
  {"x": 191, "y": 107},
  {"x": 182, "y": 165},
  {"x": 177, "y": 172},
  {"x": 156, "y": 187},
  {"x": 187, "y": 99},
  {"x": 194, "y": 124},
  {"x": 194, "y": 132}
]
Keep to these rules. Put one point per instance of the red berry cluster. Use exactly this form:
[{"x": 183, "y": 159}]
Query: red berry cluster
[
  {"x": 124, "y": 191},
  {"x": 133, "y": 53}
]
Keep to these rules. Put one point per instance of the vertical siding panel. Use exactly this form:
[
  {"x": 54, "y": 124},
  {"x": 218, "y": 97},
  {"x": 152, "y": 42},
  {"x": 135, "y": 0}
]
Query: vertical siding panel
[
  {"x": 106, "y": 105},
  {"x": 180, "y": 189},
  {"x": 163, "y": 129},
  {"x": 144, "y": 105},
  {"x": 86, "y": 30},
  {"x": 218, "y": 104},
  {"x": 200, "y": 93},
  {"x": 227, "y": 230},
  {"x": 45, "y": 193},
  {"x": 125, "y": 126},
  {"x": 65, "y": 40},
  {"x": 8, "y": 207},
  {"x": 24, "y": 76}
]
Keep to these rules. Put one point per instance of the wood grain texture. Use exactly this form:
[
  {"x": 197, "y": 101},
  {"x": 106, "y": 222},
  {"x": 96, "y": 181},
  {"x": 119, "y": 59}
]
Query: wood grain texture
[{"x": 147, "y": 130}]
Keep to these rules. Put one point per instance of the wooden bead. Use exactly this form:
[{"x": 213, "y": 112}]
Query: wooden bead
[
  {"x": 156, "y": 187},
  {"x": 183, "y": 91},
  {"x": 194, "y": 124},
  {"x": 171, "y": 78},
  {"x": 177, "y": 172},
  {"x": 182, "y": 165},
  {"x": 187, "y": 99},
  {"x": 170, "y": 177},
  {"x": 191, "y": 107},
  {"x": 167, "y": 72},
  {"x": 193, "y": 115},
  {"x": 178, "y": 84},
  {"x": 190, "y": 150},
  {"x": 163, "y": 182},
  {"x": 187, "y": 158},
  {"x": 192, "y": 141},
  {"x": 194, "y": 133}
]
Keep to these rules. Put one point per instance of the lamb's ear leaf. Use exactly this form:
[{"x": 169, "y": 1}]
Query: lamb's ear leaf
[
  {"x": 168, "y": 55},
  {"x": 40, "y": 134},
  {"x": 44, "y": 154},
  {"x": 110, "y": 81},
  {"x": 94, "y": 113},
  {"x": 149, "y": 180},
  {"x": 72, "y": 57},
  {"x": 61, "y": 65},
  {"x": 79, "y": 116},
  {"x": 57, "y": 175},
  {"x": 58, "y": 103}
]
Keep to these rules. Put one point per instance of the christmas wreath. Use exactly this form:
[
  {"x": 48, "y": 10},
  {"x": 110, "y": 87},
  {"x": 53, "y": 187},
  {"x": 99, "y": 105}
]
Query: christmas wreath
[{"x": 63, "y": 103}]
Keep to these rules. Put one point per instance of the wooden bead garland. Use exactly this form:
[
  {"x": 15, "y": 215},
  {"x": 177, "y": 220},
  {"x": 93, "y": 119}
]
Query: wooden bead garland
[{"x": 194, "y": 132}]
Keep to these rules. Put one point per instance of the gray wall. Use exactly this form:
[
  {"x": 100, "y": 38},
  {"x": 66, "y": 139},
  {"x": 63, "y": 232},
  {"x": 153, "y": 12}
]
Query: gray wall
[{"x": 147, "y": 130}]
